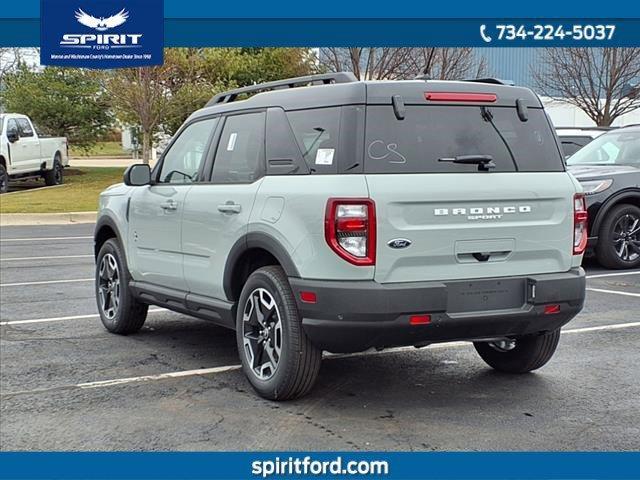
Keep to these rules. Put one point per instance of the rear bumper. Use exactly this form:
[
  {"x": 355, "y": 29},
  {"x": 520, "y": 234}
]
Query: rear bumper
[{"x": 353, "y": 316}]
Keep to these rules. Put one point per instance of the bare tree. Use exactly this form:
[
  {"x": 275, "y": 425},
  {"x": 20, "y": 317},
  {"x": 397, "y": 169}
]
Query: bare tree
[
  {"x": 603, "y": 82},
  {"x": 448, "y": 63},
  {"x": 9, "y": 60},
  {"x": 141, "y": 96},
  {"x": 403, "y": 63},
  {"x": 367, "y": 63}
]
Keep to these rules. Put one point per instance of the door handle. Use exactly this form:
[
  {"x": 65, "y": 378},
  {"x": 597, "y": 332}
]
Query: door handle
[
  {"x": 230, "y": 207},
  {"x": 171, "y": 205}
]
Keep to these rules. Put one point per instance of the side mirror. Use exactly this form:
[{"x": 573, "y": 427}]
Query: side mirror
[
  {"x": 12, "y": 136},
  {"x": 137, "y": 175}
]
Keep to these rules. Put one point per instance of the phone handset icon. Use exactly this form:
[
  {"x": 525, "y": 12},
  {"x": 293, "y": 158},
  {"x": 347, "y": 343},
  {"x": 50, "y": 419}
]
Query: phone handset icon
[{"x": 484, "y": 35}]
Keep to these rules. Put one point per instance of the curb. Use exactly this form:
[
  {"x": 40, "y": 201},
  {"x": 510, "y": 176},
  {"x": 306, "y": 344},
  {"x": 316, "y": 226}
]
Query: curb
[
  {"x": 14, "y": 219},
  {"x": 36, "y": 188}
]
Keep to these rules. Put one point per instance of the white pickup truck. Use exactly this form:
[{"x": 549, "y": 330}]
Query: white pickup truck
[{"x": 25, "y": 155}]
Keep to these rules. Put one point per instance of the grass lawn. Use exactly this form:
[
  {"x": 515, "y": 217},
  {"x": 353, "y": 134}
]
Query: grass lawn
[
  {"x": 101, "y": 149},
  {"x": 79, "y": 193}
]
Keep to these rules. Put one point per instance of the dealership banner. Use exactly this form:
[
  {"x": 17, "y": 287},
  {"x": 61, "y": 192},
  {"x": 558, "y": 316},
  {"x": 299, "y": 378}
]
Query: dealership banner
[
  {"x": 192, "y": 23},
  {"x": 398, "y": 465}
]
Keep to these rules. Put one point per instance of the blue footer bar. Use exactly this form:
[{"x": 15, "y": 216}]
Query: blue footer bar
[{"x": 236, "y": 465}]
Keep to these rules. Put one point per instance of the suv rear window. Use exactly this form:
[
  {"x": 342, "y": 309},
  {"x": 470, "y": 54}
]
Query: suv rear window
[{"x": 428, "y": 133}]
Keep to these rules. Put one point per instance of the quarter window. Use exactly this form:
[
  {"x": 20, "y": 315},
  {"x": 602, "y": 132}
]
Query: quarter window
[
  {"x": 240, "y": 154},
  {"x": 317, "y": 134},
  {"x": 182, "y": 162}
]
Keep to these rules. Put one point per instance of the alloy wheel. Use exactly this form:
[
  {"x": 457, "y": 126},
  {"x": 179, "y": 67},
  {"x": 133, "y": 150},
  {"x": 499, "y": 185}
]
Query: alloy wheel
[
  {"x": 262, "y": 333},
  {"x": 626, "y": 237},
  {"x": 109, "y": 286}
]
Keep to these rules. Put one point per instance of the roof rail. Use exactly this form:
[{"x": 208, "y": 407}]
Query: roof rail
[
  {"x": 322, "y": 79},
  {"x": 495, "y": 81},
  {"x": 605, "y": 129}
]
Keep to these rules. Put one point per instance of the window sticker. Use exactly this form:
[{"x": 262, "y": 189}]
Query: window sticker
[
  {"x": 324, "y": 156},
  {"x": 232, "y": 142}
]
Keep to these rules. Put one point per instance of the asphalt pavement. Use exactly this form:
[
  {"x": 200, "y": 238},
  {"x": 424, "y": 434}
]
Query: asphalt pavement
[{"x": 67, "y": 384}]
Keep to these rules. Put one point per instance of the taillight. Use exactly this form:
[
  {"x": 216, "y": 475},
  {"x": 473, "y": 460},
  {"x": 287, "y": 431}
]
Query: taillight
[
  {"x": 350, "y": 229},
  {"x": 580, "y": 218}
]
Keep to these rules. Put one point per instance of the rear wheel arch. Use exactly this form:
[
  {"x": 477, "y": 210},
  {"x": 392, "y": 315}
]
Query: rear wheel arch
[
  {"x": 249, "y": 253},
  {"x": 632, "y": 197}
]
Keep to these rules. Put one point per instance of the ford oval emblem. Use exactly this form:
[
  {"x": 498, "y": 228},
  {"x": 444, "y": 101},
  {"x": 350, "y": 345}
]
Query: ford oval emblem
[{"x": 399, "y": 243}]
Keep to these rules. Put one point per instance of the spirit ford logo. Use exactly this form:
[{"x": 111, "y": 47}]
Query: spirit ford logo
[
  {"x": 483, "y": 213},
  {"x": 101, "y": 34},
  {"x": 101, "y": 40}
]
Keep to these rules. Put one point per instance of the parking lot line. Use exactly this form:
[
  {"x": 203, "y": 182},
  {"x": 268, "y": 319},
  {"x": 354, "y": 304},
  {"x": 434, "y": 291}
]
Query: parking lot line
[
  {"x": 46, "y": 282},
  {"x": 37, "y": 239},
  {"x": 161, "y": 376},
  {"x": 617, "y": 274},
  {"x": 60, "y": 319},
  {"x": 228, "y": 368},
  {"x": 615, "y": 326},
  {"x": 614, "y": 292},
  {"x": 15, "y": 259}
]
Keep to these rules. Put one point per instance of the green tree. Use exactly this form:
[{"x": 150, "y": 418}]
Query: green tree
[
  {"x": 64, "y": 102},
  {"x": 141, "y": 97},
  {"x": 197, "y": 74},
  {"x": 161, "y": 98}
]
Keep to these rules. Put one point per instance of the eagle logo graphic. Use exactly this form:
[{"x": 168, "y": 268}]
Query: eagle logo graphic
[{"x": 101, "y": 24}]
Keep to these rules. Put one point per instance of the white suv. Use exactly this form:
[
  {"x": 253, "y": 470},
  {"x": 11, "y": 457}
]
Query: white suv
[{"x": 349, "y": 215}]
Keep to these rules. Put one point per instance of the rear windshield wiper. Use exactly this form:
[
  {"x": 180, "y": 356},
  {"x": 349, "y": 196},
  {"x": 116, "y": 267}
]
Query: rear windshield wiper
[
  {"x": 487, "y": 116},
  {"x": 484, "y": 162}
]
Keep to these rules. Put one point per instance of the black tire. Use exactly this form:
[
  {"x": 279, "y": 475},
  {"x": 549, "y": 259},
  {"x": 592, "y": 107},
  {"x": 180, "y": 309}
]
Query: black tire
[
  {"x": 4, "y": 179},
  {"x": 129, "y": 315},
  {"x": 610, "y": 250},
  {"x": 298, "y": 361},
  {"x": 55, "y": 176},
  {"x": 529, "y": 353}
]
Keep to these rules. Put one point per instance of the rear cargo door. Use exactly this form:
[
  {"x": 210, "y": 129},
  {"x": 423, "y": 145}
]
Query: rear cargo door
[{"x": 467, "y": 191}]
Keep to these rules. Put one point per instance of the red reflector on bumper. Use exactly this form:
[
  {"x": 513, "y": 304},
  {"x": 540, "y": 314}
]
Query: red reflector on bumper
[
  {"x": 551, "y": 309},
  {"x": 419, "y": 319},
  {"x": 308, "y": 297}
]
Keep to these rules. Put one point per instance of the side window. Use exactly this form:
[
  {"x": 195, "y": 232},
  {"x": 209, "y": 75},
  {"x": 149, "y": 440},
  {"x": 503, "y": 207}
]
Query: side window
[
  {"x": 609, "y": 152},
  {"x": 24, "y": 128},
  {"x": 240, "y": 154},
  {"x": 316, "y": 131},
  {"x": 183, "y": 159},
  {"x": 12, "y": 126}
]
